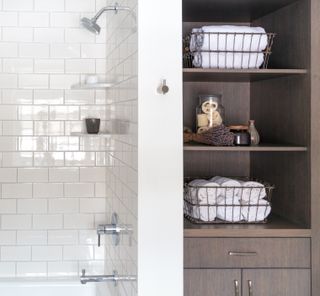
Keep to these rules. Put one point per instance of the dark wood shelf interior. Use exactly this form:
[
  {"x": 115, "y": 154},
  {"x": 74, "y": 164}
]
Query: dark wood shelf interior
[
  {"x": 277, "y": 98},
  {"x": 225, "y": 75},
  {"x": 280, "y": 99},
  {"x": 230, "y": 10},
  {"x": 275, "y": 227},
  {"x": 259, "y": 148}
]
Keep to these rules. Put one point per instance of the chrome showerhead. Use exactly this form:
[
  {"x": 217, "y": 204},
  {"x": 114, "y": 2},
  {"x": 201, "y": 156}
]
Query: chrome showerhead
[{"x": 91, "y": 25}]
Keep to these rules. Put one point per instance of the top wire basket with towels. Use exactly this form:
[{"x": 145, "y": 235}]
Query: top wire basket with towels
[
  {"x": 227, "y": 200},
  {"x": 228, "y": 47}
]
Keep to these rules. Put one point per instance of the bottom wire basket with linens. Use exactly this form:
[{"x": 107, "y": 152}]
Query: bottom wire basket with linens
[{"x": 227, "y": 200}]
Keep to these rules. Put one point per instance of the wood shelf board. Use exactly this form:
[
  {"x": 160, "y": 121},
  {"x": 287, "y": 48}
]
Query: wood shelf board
[
  {"x": 246, "y": 75},
  {"x": 230, "y": 10},
  {"x": 260, "y": 148},
  {"x": 276, "y": 227}
]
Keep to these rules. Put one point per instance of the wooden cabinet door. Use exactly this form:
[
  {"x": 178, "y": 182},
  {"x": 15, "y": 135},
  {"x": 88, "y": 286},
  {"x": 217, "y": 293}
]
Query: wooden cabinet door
[
  {"x": 212, "y": 282},
  {"x": 276, "y": 282}
]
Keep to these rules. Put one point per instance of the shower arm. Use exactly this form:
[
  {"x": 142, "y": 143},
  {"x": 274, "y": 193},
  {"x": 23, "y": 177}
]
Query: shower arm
[{"x": 114, "y": 8}]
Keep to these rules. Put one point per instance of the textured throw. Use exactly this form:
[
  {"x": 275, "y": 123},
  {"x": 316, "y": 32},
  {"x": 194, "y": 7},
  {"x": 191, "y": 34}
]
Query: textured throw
[{"x": 216, "y": 136}]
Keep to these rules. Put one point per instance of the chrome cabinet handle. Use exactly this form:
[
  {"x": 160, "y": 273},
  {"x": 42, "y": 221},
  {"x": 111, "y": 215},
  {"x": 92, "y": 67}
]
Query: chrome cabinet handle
[
  {"x": 236, "y": 288},
  {"x": 231, "y": 253},
  {"x": 250, "y": 288},
  {"x": 163, "y": 88}
]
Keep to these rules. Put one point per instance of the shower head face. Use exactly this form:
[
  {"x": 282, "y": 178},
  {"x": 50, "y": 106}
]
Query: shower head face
[{"x": 90, "y": 25}]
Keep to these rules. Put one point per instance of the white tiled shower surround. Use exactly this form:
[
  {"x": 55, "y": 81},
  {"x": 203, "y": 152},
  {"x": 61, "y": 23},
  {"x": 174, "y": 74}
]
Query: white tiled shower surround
[
  {"x": 122, "y": 169},
  {"x": 53, "y": 184}
]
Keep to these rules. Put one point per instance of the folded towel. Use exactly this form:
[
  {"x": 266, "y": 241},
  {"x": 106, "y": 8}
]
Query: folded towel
[
  {"x": 229, "y": 210},
  {"x": 256, "y": 213},
  {"x": 206, "y": 193},
  {"x": 240, "y": 38},
  {"x": 252, "y": 192},
  {"x": 229, "y": 60},
  {"x": 227, "y": 182},
  {"x": 203, "y": 213}
]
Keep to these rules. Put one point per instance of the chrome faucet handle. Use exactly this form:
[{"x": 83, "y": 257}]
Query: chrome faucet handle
[
  {"x": 100, "y": 230},
  {"x": 114, "y": 229},
  {"x": 106, "y": 229},
  {"x": 83, "y": 272}
]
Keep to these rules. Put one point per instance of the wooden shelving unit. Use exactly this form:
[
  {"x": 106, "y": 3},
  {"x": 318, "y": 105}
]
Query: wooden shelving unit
[
  {"x": 270, "y": 96},
  {"x": 225, "y": 75},
  {"x": 230, "y": 10},
  {"x": 260, "y": 148},
  {"x": 276, "y": 227},
  {"x": 284, "y": 101}
]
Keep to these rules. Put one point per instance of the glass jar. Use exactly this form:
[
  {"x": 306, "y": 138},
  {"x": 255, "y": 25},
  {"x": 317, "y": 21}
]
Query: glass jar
[
  {"x": 241, "y": 135},
  {"x": 210, "y": 112}
]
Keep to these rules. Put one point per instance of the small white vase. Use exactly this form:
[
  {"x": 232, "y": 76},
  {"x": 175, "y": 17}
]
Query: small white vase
[{"x": 254, "y": 135}]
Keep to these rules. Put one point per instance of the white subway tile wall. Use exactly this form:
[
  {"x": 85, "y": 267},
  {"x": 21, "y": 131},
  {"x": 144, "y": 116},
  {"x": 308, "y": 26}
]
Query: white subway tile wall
[
  {"x": 52, "y": 183},
  {"x": 122, "y": 155}
]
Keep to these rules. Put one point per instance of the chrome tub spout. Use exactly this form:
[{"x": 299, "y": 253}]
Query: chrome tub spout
[{"x": 115, "y": 278}]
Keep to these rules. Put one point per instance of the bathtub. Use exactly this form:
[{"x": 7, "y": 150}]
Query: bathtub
[{"x": 50, "y": 288}]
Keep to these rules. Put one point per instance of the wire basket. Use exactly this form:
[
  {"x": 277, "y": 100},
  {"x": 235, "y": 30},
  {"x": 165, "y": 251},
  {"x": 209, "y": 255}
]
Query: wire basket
[
  {"x": 249, "y": 203},
  {"x": 227, "y": 50}
]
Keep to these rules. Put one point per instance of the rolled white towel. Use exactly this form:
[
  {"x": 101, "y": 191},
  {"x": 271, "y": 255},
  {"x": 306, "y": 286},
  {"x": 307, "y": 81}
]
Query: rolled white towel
[
  {"x": 229, "y": 210},
  {"x": 228, "y": 60},
  {"x": 228, "y": 38},
  {"x": 191, "y": 193},
  {"x": 204, "y": 192},
  {"x": 256, "y": 213},
  {"x": 252, "y": 192},
  {"x": 203, "y": 213},
  {"x": 227, "y": 182}
]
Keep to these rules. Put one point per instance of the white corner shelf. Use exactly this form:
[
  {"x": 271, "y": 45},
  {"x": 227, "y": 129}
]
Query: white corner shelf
[
  {"x": 103, "y": 135},
  {"x": 100, "y": 85}
]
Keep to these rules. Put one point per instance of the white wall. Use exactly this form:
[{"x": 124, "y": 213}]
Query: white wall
[
  {"x": 52, "y": 185},
  {"x": 160, "y": 204}
]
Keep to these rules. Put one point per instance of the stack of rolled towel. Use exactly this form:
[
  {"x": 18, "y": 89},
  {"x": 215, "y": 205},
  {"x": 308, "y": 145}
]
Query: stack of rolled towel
[
  {"x": 226, "y": 199},
  {"x": 228, "y": 47}
]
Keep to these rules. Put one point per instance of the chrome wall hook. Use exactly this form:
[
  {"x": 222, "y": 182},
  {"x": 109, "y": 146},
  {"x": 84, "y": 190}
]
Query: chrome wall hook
[{"x": 163, "y": 87}]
